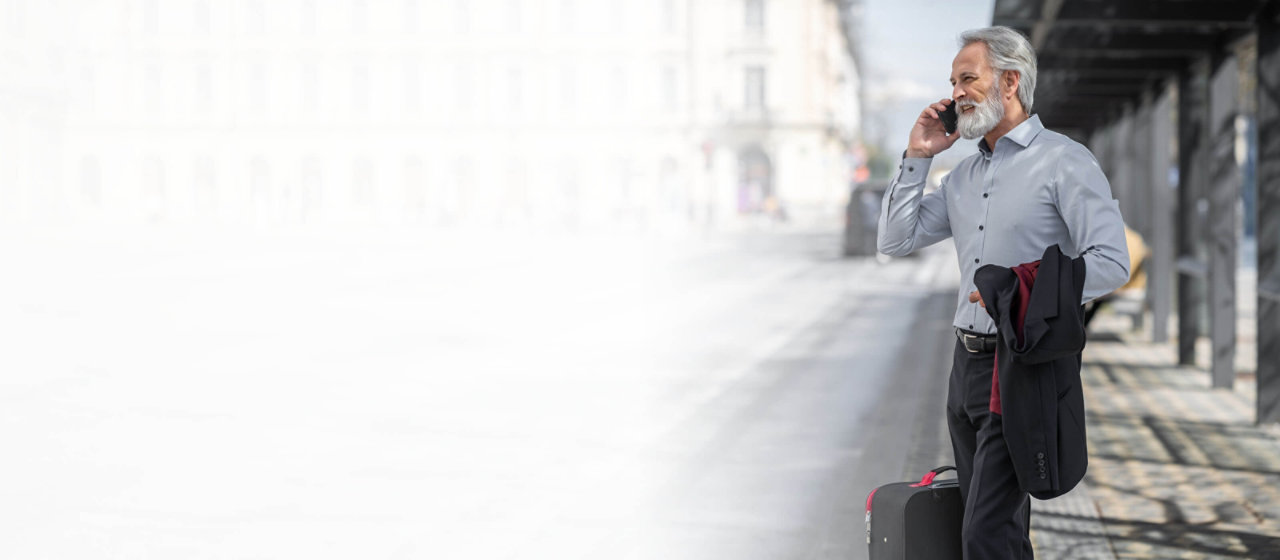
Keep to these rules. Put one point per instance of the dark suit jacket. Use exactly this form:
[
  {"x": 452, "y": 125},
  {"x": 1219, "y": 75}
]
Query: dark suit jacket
[{"x": 1039, "y": 377}]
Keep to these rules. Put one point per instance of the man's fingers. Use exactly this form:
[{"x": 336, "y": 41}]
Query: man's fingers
[{"x": 975, "y": 297}]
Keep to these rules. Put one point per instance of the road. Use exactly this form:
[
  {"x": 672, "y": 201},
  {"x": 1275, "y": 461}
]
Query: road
[{"x": 461, "y": 396}]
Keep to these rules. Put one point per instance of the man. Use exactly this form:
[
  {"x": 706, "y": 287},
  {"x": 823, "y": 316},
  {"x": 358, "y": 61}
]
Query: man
[{"x": 1028, "y": 188}]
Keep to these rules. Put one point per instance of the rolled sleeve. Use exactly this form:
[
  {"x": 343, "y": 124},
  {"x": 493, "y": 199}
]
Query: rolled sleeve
[
  {"x": 1093, "y": 220},
  {"x": 910, "y": 219}
]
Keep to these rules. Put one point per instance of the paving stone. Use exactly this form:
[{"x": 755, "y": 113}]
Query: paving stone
[{"x": 1176, "y": 468}]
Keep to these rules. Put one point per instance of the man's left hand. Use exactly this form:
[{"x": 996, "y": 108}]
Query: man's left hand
[{"x": 975, "y": 297}]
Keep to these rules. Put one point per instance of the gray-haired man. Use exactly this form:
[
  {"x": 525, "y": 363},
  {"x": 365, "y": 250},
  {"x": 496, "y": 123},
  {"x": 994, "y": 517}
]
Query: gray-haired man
[{"x": 1028, "y": 188}]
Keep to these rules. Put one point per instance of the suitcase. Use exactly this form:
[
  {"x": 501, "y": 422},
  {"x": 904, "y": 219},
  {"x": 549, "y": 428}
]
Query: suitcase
[{"x": 915, "y": 521}]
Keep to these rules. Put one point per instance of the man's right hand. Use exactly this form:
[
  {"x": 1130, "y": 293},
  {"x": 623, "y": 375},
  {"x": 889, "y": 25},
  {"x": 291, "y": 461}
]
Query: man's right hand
[{"x": 928, "y": 136}]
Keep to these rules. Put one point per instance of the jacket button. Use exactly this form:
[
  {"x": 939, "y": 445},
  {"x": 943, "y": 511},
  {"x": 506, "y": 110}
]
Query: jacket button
[
  {"x": 1040, "y": 455},
  {"x": 1043, "y": 476}
]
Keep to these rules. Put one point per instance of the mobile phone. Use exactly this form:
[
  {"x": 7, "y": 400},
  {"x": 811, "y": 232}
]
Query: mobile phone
[{"x": 949, "y": 118}]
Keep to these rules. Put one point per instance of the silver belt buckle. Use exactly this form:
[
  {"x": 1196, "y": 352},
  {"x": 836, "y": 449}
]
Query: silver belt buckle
[{"x": 971, "y": 343}]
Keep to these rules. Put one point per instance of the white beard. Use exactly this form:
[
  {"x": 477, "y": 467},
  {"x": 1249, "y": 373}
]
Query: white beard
[{"x": 984, "y": 117}]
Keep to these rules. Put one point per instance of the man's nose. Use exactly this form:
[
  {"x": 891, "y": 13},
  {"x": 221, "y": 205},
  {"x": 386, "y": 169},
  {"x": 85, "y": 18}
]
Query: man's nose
[{"x": 957, "y": 92}]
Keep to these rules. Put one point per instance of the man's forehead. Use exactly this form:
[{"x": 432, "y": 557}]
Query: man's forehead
[{"x": 970, "y": 59}]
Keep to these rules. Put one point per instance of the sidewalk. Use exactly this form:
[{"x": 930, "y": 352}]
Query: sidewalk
[{"x": 1176, "y": 469}]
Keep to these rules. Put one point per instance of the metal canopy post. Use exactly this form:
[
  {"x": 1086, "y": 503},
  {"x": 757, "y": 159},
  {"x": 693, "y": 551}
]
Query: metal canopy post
[
  {"x": 1224, "y": 193},
  {"x": 1269, "y": 217},
  {"x": 1160, "y": 264},
  {"x": 1192, "y": 130}
]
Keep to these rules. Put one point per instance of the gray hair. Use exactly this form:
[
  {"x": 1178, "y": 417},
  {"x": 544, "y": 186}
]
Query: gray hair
[{"x": 1008, "y": 50}]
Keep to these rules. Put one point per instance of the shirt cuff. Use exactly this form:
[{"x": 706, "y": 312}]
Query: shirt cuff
[{"x": 914, "y": 170}]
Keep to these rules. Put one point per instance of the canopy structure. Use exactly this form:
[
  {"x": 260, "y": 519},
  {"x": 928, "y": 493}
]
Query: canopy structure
[{"x": 1180, "y": 102}]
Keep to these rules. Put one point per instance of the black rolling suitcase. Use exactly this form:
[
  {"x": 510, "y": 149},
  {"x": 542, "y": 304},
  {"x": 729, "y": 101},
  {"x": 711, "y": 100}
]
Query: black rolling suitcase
[{"x": 915, "y": 520}]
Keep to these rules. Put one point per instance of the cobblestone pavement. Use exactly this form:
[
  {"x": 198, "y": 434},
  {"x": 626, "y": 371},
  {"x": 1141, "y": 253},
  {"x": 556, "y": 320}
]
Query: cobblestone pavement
[{"x": 1176, "y": 469}]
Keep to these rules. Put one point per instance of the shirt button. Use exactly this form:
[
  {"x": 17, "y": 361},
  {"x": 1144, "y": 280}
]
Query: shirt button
[
  {"x": 975, "y": 261},
  {"x": 970, "y": 327},
  {"x": 979, "y": 228},
  {"x": 984, "y": 195},
  {"x": 911, "y": 169}
]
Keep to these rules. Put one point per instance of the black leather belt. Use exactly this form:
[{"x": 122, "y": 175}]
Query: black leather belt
[{"x": 976, "y": 343}]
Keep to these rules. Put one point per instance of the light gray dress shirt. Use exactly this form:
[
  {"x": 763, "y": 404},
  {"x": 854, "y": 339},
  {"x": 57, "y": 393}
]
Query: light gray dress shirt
[{"x": 1005, "y": 206}]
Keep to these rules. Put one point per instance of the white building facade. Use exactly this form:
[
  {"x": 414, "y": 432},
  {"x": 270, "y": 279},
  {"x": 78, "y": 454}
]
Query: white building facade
[{"x": 643, "y": 114}]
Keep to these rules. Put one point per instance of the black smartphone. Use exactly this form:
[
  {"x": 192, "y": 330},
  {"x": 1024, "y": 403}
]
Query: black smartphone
[{"x": 948, "y": 118}]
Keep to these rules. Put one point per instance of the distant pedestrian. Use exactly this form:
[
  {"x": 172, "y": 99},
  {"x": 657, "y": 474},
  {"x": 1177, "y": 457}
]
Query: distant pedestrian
[{"x": 1027, "y": 188}]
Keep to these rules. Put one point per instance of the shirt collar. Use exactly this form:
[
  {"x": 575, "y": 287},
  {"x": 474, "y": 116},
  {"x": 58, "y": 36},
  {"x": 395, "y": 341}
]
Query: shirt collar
[{"x": 1021, "y": 135}]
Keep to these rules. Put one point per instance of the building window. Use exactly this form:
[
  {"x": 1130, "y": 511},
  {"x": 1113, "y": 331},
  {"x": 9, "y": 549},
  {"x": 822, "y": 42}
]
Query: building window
[
  {"x": 618, "y": 82},
  {"x": 515, "y": 91},
  {"x": 360, "y": 89},
  {"x": 514, "y": 16},
  {"x": 310, "y": 89},
  {"x": 568, "y": 96},
  {"x": 153, "y": 97},
  {"x": 462, "y": 101},
  {"x": 461, "y": 17},
  {"x": 312, "y": 187},
  {"x": 411, "y": 16},
  {"x": 204, "y": 89},
  {"x": 257, "y": 23},
  {"x": 260, "y": 189},
  {"x": 153, "y": 188},
  {"x": 206, "y": 194},
  {"x": 754, "y": 87},
  {"x": 359, "y": 16},
  {"x": 151, "y": 17},
  {"x": 567, "y": 16},
  {"x": 362, "y": 183},
  {"x": 668, "y": 22},
  {"x": 412, "y": 87},
  {"x": 91, "y": 181},
  {"x": 415, "y": 188},
  {"x": 202, "y": 17},
  {"x": 754, "y": 14},
  {"x": 617, "y": 17},
  {"x": 309, "y": 17},
  {"x": 16, "y": 16},
  {"x": 258, "y": 89},
  {"x": 89, "y": 88},
  {"x": 670, "y": 93}
]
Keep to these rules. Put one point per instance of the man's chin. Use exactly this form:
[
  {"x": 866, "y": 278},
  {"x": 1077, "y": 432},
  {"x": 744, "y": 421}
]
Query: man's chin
[{"x": 973, "y": 132}]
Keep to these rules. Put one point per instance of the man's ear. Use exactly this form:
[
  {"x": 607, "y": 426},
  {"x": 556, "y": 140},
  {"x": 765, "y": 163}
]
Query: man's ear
[{"x": 1010, "y": 80}]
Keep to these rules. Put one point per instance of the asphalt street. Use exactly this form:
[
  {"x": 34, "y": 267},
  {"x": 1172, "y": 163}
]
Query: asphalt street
[{"x": 462, "y": 396}]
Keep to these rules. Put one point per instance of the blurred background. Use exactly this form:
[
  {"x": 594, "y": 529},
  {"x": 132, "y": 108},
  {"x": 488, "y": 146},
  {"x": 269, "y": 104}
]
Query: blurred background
[{"x": 496, "y": 278}]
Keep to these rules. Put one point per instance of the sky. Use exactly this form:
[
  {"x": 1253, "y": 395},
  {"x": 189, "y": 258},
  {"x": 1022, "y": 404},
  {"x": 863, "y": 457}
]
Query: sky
[{"x": 908, "y": 47}]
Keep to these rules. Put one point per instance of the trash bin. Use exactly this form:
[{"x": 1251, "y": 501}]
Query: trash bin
[{"x": 861, "y": 216}]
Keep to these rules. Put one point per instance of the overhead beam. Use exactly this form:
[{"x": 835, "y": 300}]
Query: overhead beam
[
  {"x": 1096, "y": 62},
  {"x": 1040, "y": 30},
  {"x": 1117, "y": 40}
]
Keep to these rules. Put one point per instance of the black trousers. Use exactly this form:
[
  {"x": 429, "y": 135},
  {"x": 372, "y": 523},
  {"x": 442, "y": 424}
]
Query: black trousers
[{"x": 997, "y": 513}]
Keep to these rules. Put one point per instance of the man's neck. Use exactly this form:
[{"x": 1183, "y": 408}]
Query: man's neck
[{"x": 1008, "y": 123}]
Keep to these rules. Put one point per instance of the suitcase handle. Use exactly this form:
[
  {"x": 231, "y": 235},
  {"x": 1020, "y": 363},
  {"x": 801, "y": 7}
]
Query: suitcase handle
[{"x": 928, "y": 478}]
